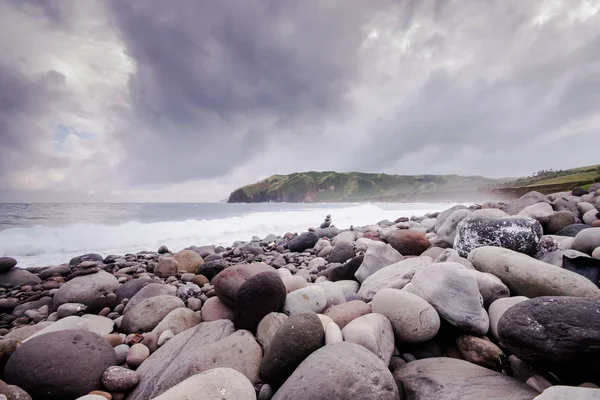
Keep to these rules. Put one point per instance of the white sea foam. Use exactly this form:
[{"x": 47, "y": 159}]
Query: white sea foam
[{"x": 42, "y": 245}]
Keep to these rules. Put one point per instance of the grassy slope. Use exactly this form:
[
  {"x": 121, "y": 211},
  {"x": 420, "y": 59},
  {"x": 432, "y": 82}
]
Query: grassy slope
[{"x": 574, "y": 176}]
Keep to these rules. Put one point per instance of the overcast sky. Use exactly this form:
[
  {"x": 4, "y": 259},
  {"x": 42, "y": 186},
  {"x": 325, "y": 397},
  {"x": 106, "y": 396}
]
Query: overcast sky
[{"x": 183, "y": 100}]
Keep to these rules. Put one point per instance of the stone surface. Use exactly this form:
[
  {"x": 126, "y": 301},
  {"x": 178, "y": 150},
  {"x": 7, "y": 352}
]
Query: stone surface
[
  {"x": 413, "y": 319},
  {"x": 342, "y": 314},
  {"x": 340, "y": 371},
  {"x": 228, "y": 282},
  {"x": 130, "y": 288},
  {"x": 453, "y": 379},
  {"x": 148, "y": 291},
  {"x": 569, "y": 393},
  {"x": 258, "y": 296},
  {"x": 167, "y": 266},
  {"x": 145, "y": 316},
  {"x": 98, "y": 324},
  {"x": 89, "y": 290},
  {"x": 526, "y": 276},
  {"x": 587, "y": 240},
  {"x": 137, "y": 354},
  {"x": 394, "y": 276},
  {"x": 560, "y": 334},
  {"x": 17, "y": 276},
  {"x": 497, "y": 310},
  {"x": 491, "y": 288},
  {"x": 6, "y": 264},
  {"x": 407, "y": 242},
  {"x": 374, "y": 332},
  {"x": 518, "y": 234},
  {"x": 292, "y": 283},
  {"x": 310, "y": 298},
  {"x": 481, "y": 352},
  {"x": 572, "y": 230},
  {"x": 454, "y": 294},
  {"x": 539, "y": 211},
  {"x": 267, "y": 328},
  {"x": 377, "y": 256},
  {"x": 560, "y": 220},
  {"x": 515, "y": 206},
  {"x": 345, "y": 271},
  {"x": 581, "y": 264},
  {"x": 341, "y": 252},
  {"x": 217, "y": 383},
  {"x": 59, "y": 365},
  {"x": 177, "y": 320},
  {"x": 303, "y": 241},
  {"x": 206, "y": 346},
  {"x": 188, "y": 260},
  {"x": 333, "y": 293},
  {"x": 447, "y": 232},
  {"x": 119, "y": 379},
  {"x": 214, "y": 309},
  {"x": 298, "y": 337}
]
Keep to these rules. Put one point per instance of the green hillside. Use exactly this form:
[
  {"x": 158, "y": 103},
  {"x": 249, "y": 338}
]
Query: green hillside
[
  {"x": 570, "y": 177},
  {"x": 329, "y": 186}
]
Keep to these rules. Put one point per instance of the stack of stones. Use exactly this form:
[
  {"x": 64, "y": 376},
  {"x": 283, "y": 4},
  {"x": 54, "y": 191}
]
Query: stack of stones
[{"x": 493, "y": 301}]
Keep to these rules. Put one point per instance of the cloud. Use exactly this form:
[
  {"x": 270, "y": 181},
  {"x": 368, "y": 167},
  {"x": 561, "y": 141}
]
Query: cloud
[{"x": 148, "y": 100}]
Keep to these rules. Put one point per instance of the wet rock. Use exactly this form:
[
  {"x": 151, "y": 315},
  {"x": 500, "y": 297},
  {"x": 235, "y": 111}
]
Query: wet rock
[
  {"x": 341, "y": 371},
  {"x": 57, "y": 365},
  {"x": 412, "y": 318},
  {"x": 519, "y": 234},
  {"x": 449, "y": 379},
  {"x": 298, "y": 337},
  {"x": 454, "y": 294},
  {"x": 583, "y": 265},
  {"x": 526, "y": 276}
]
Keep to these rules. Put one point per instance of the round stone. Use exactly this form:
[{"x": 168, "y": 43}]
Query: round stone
[
  {"x": 188, "y": 260},
  {"x": 258, "y": 296},
  {"x": 137, "y": 355},
  {"x": 6, "y": 264},
  {"x": 119, "y": 379},
  {"x": 166, "y": 267},
  {"x": 408, "y": 242}
]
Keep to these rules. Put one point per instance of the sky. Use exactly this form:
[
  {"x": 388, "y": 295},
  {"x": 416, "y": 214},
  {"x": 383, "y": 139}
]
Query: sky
[{"x": 156, "y": 101}]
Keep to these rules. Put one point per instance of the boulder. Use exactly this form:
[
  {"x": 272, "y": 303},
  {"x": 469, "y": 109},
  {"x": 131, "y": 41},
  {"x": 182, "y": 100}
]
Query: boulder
[
  {"x": 519, "y": 234},
  {"x": 340, "y": 371},
  {"x": 559, "y": 220},
  {"x": 481, "y": 351},
  {"x": 177, "y": 320},
  {"x": 569, "y": 393},
  {"x": 394, "y": 276},
  {"x": 59, "y": 365},
  {"x": 447, "y": 232},
  {"x": 559, "y": 334},
  {"x": 6, "y": 264},
  {"x": 217, "y": 383},
  {"x": 566, "y": 203},
  {"x": 333, "y": 293},
  {"x": 526, "y": 276},
  {"x": 408, "y": 242},
  {"x": 583, "y": 265},
  {"x": 145, "y": 316},
  {"x": 137, "y": 354},
  {"x": 374, "y": 332},
  {"x": 590, "y": 216},
  {"x": 587, "y": 240},
  {"x": 258, "y": 296},
  {"x": 497, "y": 310},
  {"x": 490, "y": 287},
  {"x": 130, "y": 288},
  {"x": 19, "y": 310},
  {"x": 454, "y": 294},
  {"x": 441, "y": 218},
  {"x": 572, "y": 230},
  {"x": 413, "y": 319},
  {"x": 344, "y": 272},
  {"x": 228, "y": 282},
  {"x": 18, "y": 277},
  {"x": 490, "y": 213},
  {"x": 451, "y": 379},
  {"x": 119, "y": 379},
  {"x": 206, "y": 346},
  {"x": 75, "y": 261},
  {"x": 167, "y": 266},
  {"x": 515, "y": 206},
  {"x": 148, "y": 291},
  {"x": 293, "y": 283},
  {"x": 341, "y": 252},
  {"x": 188, "y": 260},
  {"x": 298, "y": 337},
  {"x": 89, "y": 290},
  {"x": 24, "y": 332},
  {"x": 310, "y": 298},
  {"x": 342, "y": 314},
  {"x": 538, "y": 211},
  {"x": 378, "y": 256},
  {"x": 214, "y": 309},
  {"x": 267, "y": 328},
  {"x": 305, "y": 240},
  {"x": 345, "y": 236}
]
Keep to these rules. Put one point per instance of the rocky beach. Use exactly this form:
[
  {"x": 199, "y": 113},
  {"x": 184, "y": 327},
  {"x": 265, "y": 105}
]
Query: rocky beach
[{"x": 498, "y": 300}]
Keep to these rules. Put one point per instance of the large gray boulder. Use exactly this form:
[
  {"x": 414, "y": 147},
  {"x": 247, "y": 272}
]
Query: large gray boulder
[
  {"x": 341, "y": 252},
  {"x": 147, "y": 291},
  {"x": 303, "y": 241},
  {"x": 560, "y": 334},
  {"x": 454, "y": 293},
  {"x": 441, "y": 218},
  {"x": 89, "y": 290},
  {"x": 60, "y": 365},
  {"x": 515, "y": 206},
  {"x": 340, "y": 371},
  {"x": 17, "y": 276},
  {"x": 206, "y": 346},
  {"x": 394, "y": 276},
  {"x": 377, "y": 256},
  {"x": 519, "y": 234},
  {"x": 526, "y": 276},
  {"x": 539, "y": 211},
  {"x": 145, "y": 316},
  {"x": 587, "y": 240},
  {"x": 569, "y": 393},
  {"x": 217, "y": 383},
  {"x": 374, "y": 332},
  {"x": 453, "y": 379},
  {"x": 447, "y": 232}
]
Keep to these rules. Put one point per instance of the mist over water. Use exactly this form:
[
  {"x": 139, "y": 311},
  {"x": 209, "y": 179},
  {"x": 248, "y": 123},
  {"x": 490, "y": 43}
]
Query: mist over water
[{"x": 51, "y": 234}]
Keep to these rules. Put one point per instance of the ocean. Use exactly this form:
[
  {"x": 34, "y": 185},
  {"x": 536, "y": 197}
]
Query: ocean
[{"x": 51, "y": 234}]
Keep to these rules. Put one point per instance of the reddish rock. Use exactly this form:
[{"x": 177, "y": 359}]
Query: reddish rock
[
  {"x": 343, "y": 313},
  {"x": 408, "y": 243},
  {"x": 214, "y": 309},
  {"x": 596, "y": 223},
  {"x": 228, "y": 282},
  {"x": 200, "y": 280}
]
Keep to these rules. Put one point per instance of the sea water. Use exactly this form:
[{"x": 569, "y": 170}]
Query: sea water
[{"x": 51, "y": 234}]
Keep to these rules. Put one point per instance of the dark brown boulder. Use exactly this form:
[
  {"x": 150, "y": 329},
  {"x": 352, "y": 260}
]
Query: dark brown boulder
[
  {"x": 258, "y": 296},
  {"x": 407, "y": 242},
  {"x": 228, "y": 282}
]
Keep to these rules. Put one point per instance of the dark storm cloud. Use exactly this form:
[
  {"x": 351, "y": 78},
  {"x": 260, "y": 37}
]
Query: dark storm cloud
[{"x": 216, "y": 80}]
